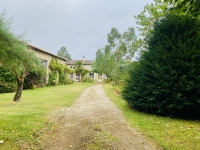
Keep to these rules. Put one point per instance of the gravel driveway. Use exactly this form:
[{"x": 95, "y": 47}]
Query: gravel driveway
[{"x": 93, "y": 122}]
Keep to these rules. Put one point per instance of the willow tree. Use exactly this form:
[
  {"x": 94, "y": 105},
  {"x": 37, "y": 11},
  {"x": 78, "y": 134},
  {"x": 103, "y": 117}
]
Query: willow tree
[{"x": 14, "y": 55}]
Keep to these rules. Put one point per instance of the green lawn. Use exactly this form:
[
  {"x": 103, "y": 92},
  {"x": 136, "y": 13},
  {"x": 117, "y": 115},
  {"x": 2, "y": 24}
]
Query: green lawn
[
  {"x": 21, "y": 122},
  {"x": 170, "y": 134}
]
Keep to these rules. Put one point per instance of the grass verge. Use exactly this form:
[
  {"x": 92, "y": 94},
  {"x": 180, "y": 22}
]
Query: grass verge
[
  {"x": 21, "y": 122},
  {"x": 170, "y": 134}
]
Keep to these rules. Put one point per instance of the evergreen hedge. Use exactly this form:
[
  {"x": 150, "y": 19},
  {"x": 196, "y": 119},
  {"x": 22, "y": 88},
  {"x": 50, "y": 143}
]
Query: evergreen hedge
[
  {"x": 166, "y": 80},
  {"x": 7, "y": 81}
]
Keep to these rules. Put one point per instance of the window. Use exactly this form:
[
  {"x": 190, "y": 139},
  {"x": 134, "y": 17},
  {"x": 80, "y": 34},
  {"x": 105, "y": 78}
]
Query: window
[
  {"x": 71, "y": 67},
  {"x": 71, "y": 75},
  {"x": 91, "y": 75},
  {"x": 44, "y": 63},
  {"x": 77, "y": 77},
  {"x": 100, "y": 76}
]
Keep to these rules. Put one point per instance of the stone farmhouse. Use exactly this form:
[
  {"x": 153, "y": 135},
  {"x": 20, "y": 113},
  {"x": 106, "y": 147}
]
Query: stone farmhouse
[
  {"x": 46, "y": 57},
  {"x": 87, "y": 64}
]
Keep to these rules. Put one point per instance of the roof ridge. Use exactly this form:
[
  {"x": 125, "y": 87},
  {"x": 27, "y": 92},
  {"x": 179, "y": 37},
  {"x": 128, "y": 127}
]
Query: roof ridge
[{"x": 42, "y": 50}]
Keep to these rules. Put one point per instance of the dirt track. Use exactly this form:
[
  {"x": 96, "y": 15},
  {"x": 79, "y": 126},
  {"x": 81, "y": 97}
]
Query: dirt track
[{"x": 94, "y": 123}]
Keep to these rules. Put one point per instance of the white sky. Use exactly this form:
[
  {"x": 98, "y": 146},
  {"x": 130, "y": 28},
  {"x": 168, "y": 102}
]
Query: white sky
[{"x": 79, "y": 25}]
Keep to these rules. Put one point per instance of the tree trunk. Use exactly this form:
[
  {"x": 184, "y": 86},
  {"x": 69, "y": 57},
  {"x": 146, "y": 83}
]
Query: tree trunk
[
  {"x": 18, "y": 93},
  {"x": 79, "y": 77}
]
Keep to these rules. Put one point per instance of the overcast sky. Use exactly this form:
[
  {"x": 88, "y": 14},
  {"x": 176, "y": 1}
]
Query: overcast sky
[{"x": 79, "y": 25}]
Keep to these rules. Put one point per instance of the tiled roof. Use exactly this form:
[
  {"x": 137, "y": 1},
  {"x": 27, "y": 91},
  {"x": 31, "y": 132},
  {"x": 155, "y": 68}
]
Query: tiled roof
[
  {"x": 43, "y": 51},
  {"x": 85, "y": 62}
]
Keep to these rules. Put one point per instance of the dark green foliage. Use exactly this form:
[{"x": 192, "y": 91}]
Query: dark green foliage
[
  {"x": 62, "y": 78},
  {"x": 52, "y": 79},
  {"x": 7, "y": 81},
  {"x": 166, "y": 80},
  {"x": 34, "y": 79},
  {"x": 6, "y": 87},
  {"x": 187, "y": 6},
  {"x": 6, "y": 76}
]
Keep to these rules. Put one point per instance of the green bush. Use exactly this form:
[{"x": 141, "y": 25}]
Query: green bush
[
  {"x": 7, "y": 81},
  {"x": 52, "y": 79},
  {"x": 108, "y": 80},
  {"x": 69, "y": 81},
  {"x": 62, "y": 79},
  {"x": 33, "y": 79},
  {"x": 166, "y": 80},
  {"x": 87, "y": 79},
  {"x": 7, "y": 87}
]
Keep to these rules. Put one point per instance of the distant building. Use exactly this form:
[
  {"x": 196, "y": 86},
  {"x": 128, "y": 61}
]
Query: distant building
[
  {"x": 87, "y": 64},
  {"x": 46, "y": 58}
]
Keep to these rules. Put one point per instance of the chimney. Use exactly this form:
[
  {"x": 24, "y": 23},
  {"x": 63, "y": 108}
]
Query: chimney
[{"x": 83, "y": 58}]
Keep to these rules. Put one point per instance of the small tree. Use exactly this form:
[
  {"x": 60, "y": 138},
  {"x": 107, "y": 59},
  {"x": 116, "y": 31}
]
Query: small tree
[
  {"x": 166, "y": 80},
  {"x": 14, "y": 55},
  {"x": 79, "y": 69},
  {"x": 24, "y": 62}
]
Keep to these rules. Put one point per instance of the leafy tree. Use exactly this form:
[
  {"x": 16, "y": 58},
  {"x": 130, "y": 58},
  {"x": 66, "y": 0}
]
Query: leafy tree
[
  {"x": 187, "y": 6},
  {"x": 152, "y": 13},
  {"x": 63, "y": 53},
  {"x": 114, "y": 37},
  {"x": 104, "y": 61},
  {"x": 116, "y": 56},
  {"x": 22, "y": 65},
  {"x": 155, "y": 11},
  {"x": 79, "y": 69},
  {"x": 166, "y": 80},
  {"x": 14, "y": 55}
]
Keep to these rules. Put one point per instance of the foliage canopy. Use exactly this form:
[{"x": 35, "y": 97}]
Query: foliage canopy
[{"x": 166, "y": 80}]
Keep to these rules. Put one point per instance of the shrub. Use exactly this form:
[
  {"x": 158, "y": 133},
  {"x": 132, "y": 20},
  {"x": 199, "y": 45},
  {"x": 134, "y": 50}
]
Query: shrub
[
  {"x": 62, "y": 79},
  {"x": 7, "y": 81},
  {"x": 52, "y": 79},
  {"x": 87, "y": 79},
  {"x": 7, "y": 87},
  {"x": 69, "y": 81},
  {"x": 34, "y": 79},
  {"x": 166, "y": 80},
  {"x": 108, "y": 80}
]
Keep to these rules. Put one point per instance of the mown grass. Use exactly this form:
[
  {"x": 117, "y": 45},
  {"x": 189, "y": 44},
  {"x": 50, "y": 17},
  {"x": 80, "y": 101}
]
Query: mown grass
[
  {"x": 20, "y": 122},
  {"x": 170, "y": 134}
]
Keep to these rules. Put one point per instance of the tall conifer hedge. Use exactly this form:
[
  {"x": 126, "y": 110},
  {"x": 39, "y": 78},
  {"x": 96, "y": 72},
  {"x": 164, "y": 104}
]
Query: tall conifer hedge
[{"x": 166, "y": 81}]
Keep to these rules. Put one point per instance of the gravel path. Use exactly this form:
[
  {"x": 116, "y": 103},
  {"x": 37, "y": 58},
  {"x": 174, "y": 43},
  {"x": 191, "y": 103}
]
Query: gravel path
[{"x": 94, "y": 123}]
